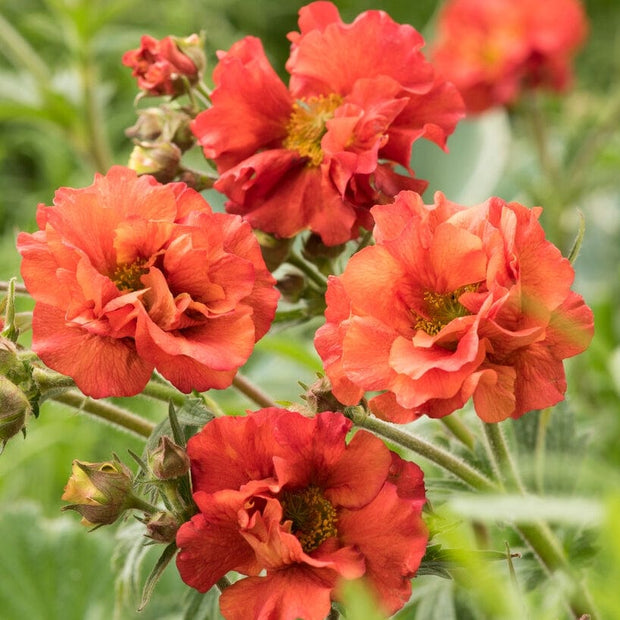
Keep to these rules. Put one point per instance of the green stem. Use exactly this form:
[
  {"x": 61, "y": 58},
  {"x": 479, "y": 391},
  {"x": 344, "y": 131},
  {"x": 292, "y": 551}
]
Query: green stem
[
  {"x": 164, "y": 392},
  {"x": 253, "y": 392},
  {"x": 506, "y": 467},
  {"x": 439, "y": 456},
  {"x": 455, "y": 425},
  {"x": 537, "y": 534},
  {"x": 138, "y": 503},
  {"x": 20, "y": 289},
  {"x": 22, "y": 54},
  {"x": 550, "y": 554},
  {"x": 539, "y": 450},
  {"x": 307, "y": 270},
  {"x": 107, "y": 411},
  {"x": 98, "y": 146}
]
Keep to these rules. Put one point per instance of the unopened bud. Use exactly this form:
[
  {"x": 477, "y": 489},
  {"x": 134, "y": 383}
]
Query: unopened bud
[
  {"x": 320, "y": 398},
  {"x": 162, "y": 527},
  {"x": 100, "y": 492},
  {"x": 163, "y": 124},
  {"x": 274, "y": 250},
  {"x": 314, "y": 249},
  {"x": 14, "y": 410},
  {"x": 193, "y": 48},
  {"x": 291, "y": 285},
  {"x": 9, "y": 361},
  {"x": 169, "y": 460},
  {"x": 159, "y": 159}
]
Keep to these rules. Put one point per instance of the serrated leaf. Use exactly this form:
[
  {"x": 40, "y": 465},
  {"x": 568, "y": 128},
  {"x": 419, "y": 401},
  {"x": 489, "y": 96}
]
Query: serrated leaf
[{"x": 154, "y": 576}]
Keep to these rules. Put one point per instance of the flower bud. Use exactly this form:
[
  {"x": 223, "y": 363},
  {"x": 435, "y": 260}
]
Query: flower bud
[
  {"x": 14, "y": 410},
  {"x": 320, "y": 398},
  {"x": 315, "y": 249},
  {"x": 193, "y": 48},
  {"x": 169, "y": 460},
  {"x": 163, "y": 124},
  {"x": 161, "y": 527},
  {"x": 291, "y": 285},
  {"x": 159, "y": 159},
  {"x": 273, "y": 249},
  {"x": 101, "y": 492},
  {"x": 9, "y": 361},
  {"x": 166, "y": 66}
]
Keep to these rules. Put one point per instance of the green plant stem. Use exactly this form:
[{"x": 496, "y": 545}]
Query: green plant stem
[
  {"x": 444, "y": 459},
  {"x": 138, "y": 503},
  {"x": 539, "y": 450},
  {"x": 164, "y": 392},
  {"x": 22, "y": 54},
  {"x": 253, "y": 392},
  {"x": 20, "y": 289},
  {"x": 98, "y": 145},
  {"x": 455, "y": 425},
  {"x": 107, "y": 411},
  {"x": 506, "y": 467},
  {"x": 551, "y": 556},
  {"x": 312, "y": 274},
  {"x": 537, "y": 535}
]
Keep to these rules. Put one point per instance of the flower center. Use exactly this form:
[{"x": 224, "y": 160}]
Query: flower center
[
  {"x": 314, "y": 518},
  {"x": 441, "y": 308},
  {"x": 127, "y": 276},
  {"x": 306, "y": 126}
]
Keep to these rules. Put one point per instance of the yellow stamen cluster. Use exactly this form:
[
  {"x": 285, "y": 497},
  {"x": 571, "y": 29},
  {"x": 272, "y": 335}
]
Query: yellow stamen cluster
[
  {"x": 127, "y": 276},
  {"x": 441, "y": 308},
  {"x": 306, "y": 126},
  {"x": 314, "y": 518}
]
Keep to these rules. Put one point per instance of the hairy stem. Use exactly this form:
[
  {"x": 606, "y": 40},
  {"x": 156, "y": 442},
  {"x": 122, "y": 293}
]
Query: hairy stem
[
  {"x": 253, "y": 392},
  {"x": 459, "y": 430},
  {"x": 107, "y": 411},
  {"x": 312, "y": 274},
  {"x": 444, "y": 459}
]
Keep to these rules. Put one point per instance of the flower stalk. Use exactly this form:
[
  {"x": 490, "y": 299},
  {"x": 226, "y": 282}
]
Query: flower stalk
[
  {"x": 253, "y": 392},
  {"x": 108, "y": 412},
  {"x": 444, "y": 459}
]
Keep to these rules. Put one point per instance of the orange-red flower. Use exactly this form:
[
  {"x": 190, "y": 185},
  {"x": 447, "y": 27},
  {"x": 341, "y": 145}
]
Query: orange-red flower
[
  {"x": 129, "y": 275},
  {"x": 450, "y": 303},
  {"x": 493, "y": 49},
  {"x": 318, "y": 154},
  {"x": 286, "y": 501},
  {"x": 164, "y": 67}
]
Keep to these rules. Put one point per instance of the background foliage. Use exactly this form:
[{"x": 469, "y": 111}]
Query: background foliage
[{"x": 65, "y": 101}]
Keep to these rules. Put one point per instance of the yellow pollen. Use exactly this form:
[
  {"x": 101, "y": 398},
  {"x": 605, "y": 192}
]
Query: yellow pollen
[
  {"x": 127, "y": 276},
  {"x": 306, "y": 126},
  {"x": 441, "y": 308},
  {"x": 314, "y": 518}
]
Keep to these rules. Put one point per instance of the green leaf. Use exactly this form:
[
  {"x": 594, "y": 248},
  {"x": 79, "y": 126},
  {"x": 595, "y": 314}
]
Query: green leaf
[
  {"x": 160, "y": 566},
  {"x": 52, "y": 569}
]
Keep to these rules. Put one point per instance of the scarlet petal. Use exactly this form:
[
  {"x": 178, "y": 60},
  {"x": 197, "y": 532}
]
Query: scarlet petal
[
  {"x": 389, "y": 574},
  {"x": 211, "y": 544},
  {"x": 251, "y": 106},
  {"x": 297, "y": 592},
  {"x": 119, "y": 370},
  {"x": 248, "y": 453}
]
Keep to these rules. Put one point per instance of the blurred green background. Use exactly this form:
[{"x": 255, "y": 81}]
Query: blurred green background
[{"x": 65, "y": 101}]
